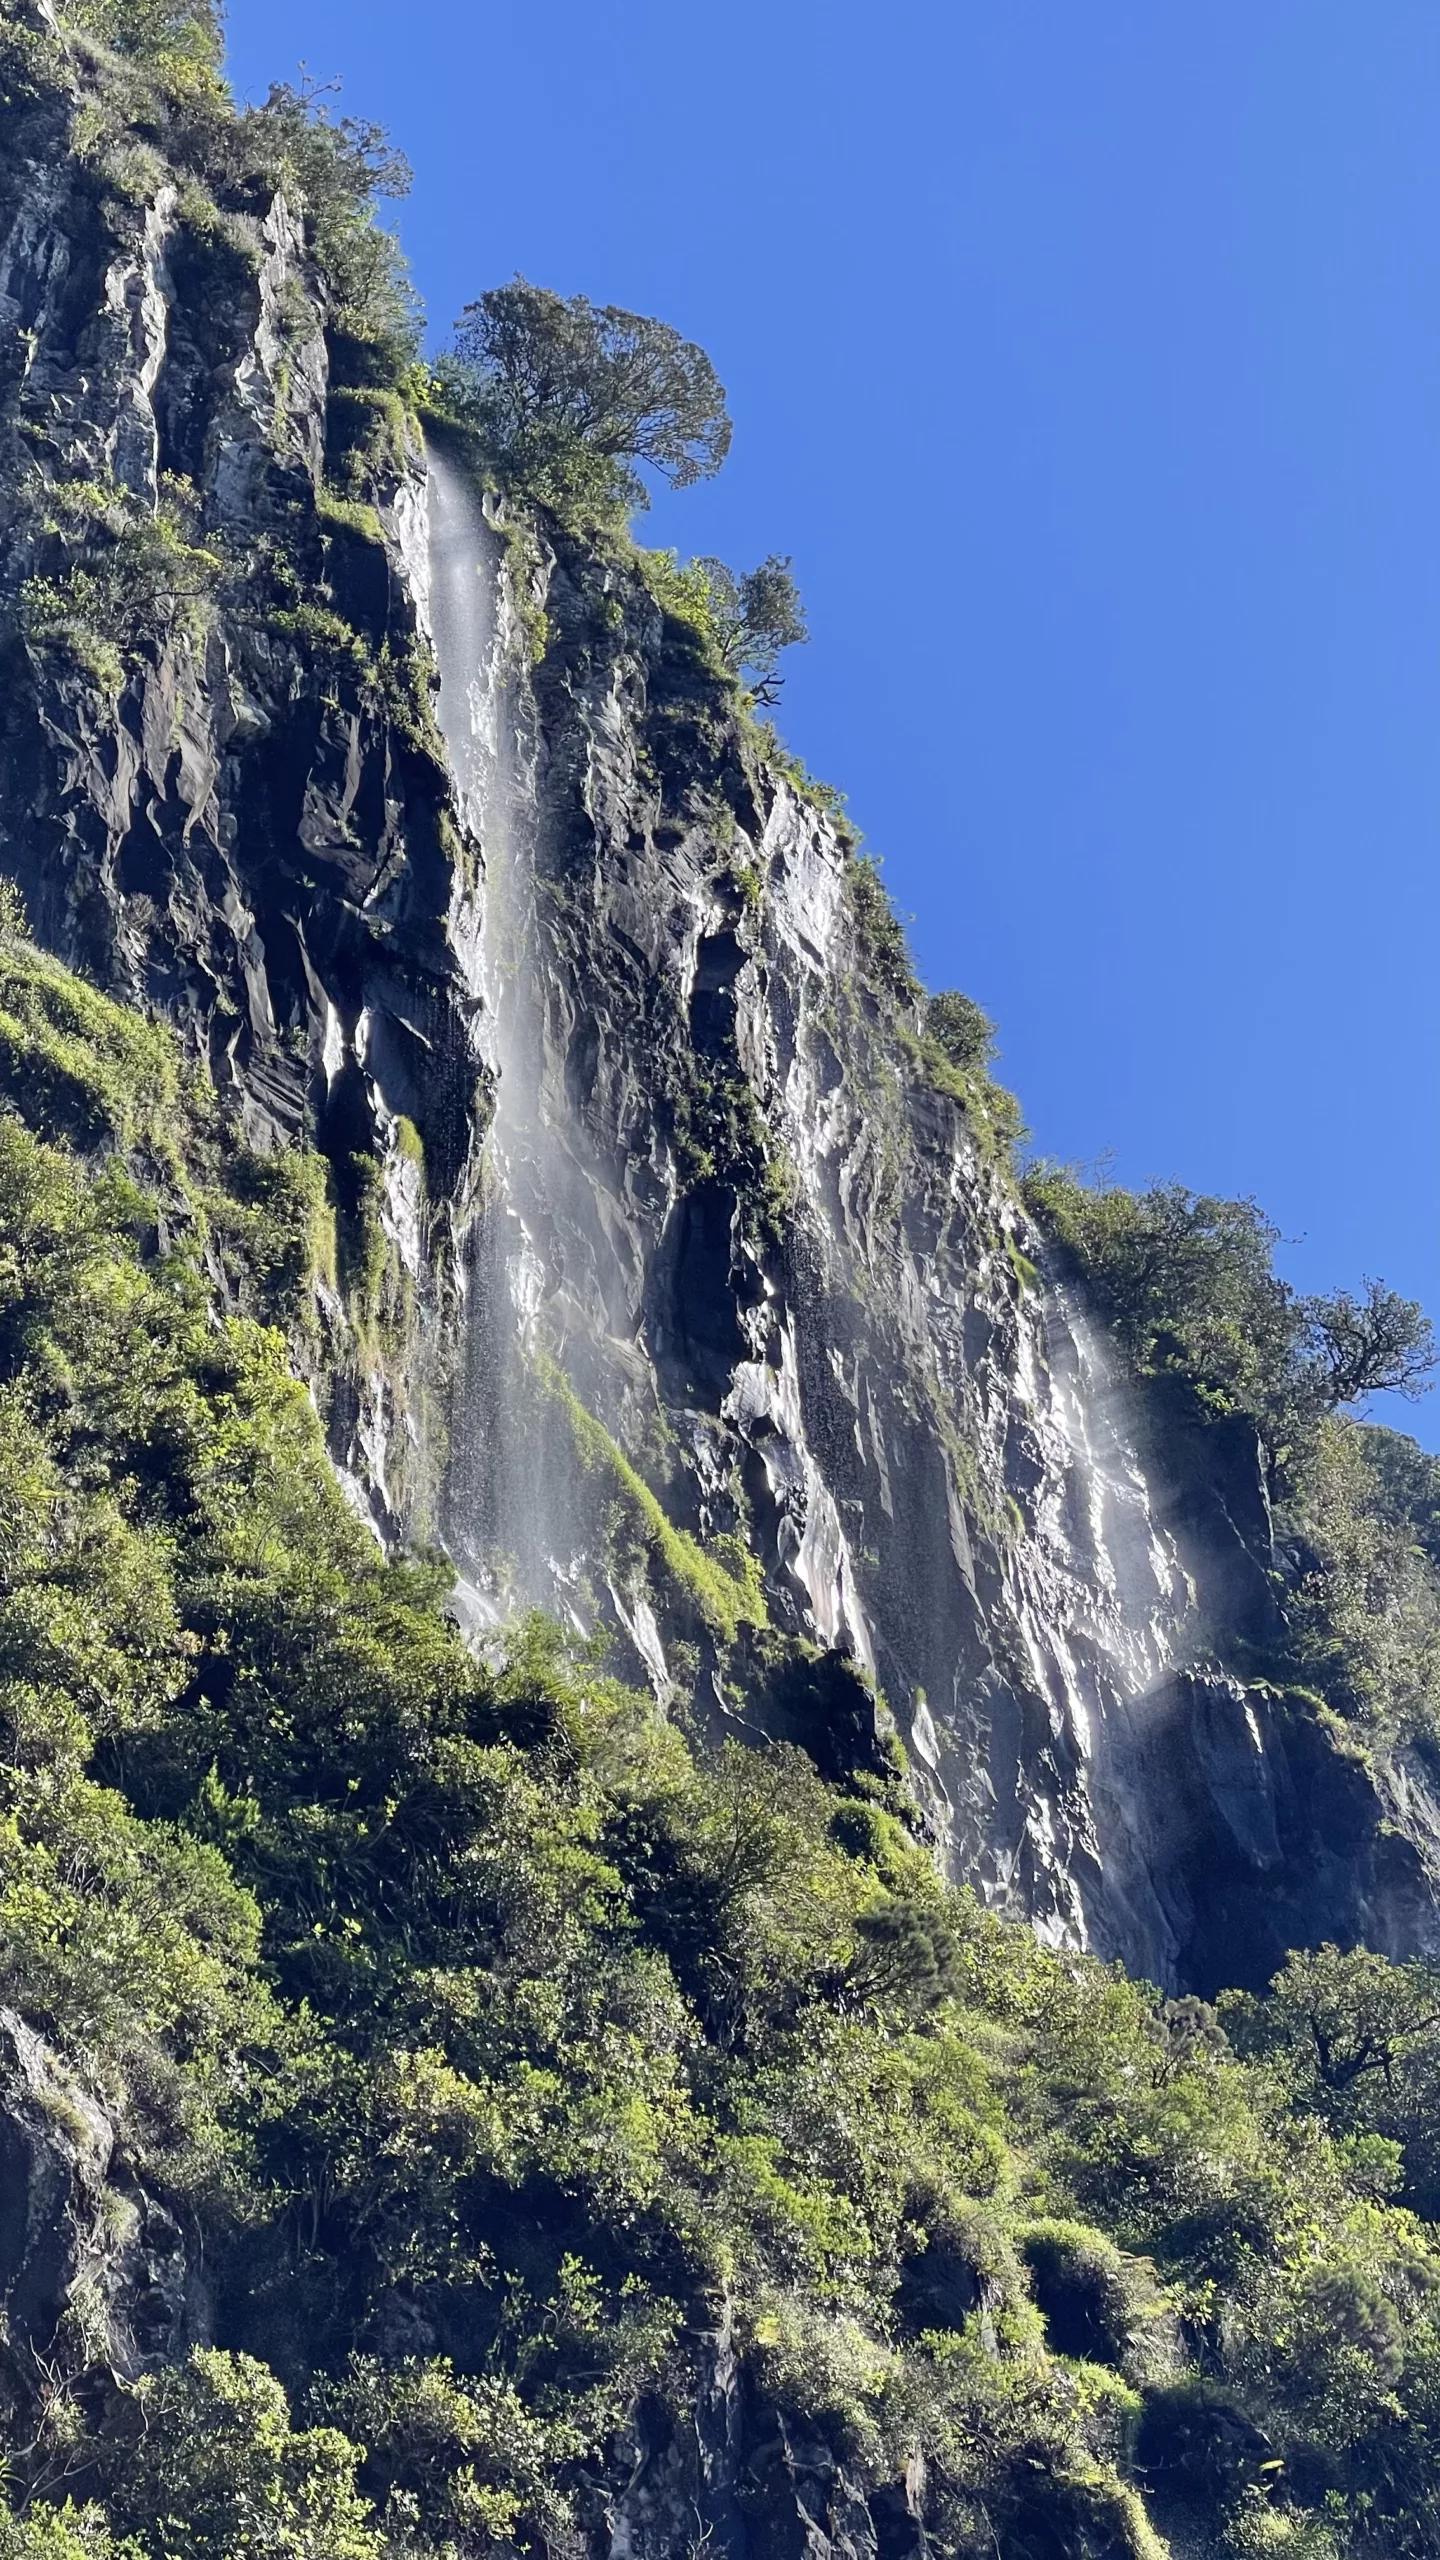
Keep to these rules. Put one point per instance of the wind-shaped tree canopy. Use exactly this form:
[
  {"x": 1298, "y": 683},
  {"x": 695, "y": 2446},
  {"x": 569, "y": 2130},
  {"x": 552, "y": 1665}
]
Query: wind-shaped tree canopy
[
  {"x": 569, "y": 397},
  {"x": 753, "y": 617}
]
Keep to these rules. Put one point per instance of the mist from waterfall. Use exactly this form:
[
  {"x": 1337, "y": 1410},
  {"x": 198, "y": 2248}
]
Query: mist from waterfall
[
  {"x": 1134, "y": 1595},
  {"x": 503, "y": 1511}
]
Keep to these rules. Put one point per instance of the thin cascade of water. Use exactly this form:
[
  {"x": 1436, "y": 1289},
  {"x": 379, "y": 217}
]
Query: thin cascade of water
[
  {"x": 1105, "y": 1612},
  {"x": 1134, "y": 1595},
  {"x": 502, "y": 1510}
]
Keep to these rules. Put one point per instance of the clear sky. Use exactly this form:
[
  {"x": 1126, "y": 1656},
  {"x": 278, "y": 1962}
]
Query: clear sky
[{"x": 1087, "y": 361}]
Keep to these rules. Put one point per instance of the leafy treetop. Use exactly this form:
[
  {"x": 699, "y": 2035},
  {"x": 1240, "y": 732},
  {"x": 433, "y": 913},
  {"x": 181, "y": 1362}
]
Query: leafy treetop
[
  {"x": 569, "y": 397},
  {"x": 753, "y": 617},
  {"x": 961, "y": 1027},
  {"x": 1187, "y": 1284}
]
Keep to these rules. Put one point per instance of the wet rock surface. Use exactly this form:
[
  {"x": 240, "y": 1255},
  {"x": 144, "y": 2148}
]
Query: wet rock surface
[{"x": 96, "y": 2277}]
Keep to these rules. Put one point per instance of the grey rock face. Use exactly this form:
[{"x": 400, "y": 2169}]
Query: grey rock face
[
  {"x": 249, "y": 836},
  {"x": 95, "y": 2275},
  {"x": 732, "y": 2473},
  {"x": 703, "y": 1300}
]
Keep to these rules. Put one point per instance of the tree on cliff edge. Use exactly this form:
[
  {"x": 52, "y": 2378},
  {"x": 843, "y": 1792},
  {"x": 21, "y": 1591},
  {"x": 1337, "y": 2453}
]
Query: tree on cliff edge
[
  {"x": 569, "y": 397},
  {"x": 752, "y": 618}
]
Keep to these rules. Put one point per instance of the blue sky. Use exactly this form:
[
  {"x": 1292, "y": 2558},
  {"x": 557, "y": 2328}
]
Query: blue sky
[{"x": 1087, "y": 361}]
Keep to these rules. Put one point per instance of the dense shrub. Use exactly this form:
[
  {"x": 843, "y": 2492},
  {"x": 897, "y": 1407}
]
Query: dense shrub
[
  {"x": 753, "y": 617},
  {"x": 961, "y": 1029}
]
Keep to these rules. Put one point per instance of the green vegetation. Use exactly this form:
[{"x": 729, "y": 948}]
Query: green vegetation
[
  {"x": 719, "y": 1135},
  {"x": 1186, "y": 1286},
  {"x": 957, "y": 1025},
  {"x": 946, "y": 1039},
  {"x": 723, "y": 1584},
  {"x": 165, "y": 33},
  {"x": 751, "y": 619},
  {"x": 150, "y": 101},
  {"x": 92, "y": 1071},
  {"x": 493, "y": 2042},
  {"x": 337, "y": 169},
  {"x": 1363, "y": 1596},
  {"x": 132, "y": 575},
  {"x": 1355, "y": 2040},
  {"x": 367, "y": 431},
  {"x": 567, "y": 398},
  {"x": 99, "y": 1080},
  {"x": 350, "y": 515}
]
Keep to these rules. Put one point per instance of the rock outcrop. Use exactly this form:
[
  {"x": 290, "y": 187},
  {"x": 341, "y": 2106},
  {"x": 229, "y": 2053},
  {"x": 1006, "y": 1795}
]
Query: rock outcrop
[{"x": 97, "y": 2277}]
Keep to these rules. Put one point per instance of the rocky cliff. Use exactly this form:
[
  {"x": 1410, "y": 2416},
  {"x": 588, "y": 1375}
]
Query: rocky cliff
[{"x": 677, "y": 1284}]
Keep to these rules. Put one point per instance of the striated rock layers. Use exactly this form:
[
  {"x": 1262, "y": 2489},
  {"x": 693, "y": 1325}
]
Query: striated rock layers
[{"x": 679, "y": 1287}]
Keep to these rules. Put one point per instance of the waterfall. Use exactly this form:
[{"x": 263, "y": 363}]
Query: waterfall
[
  {"x": 926, "y": 1452},
  {"x": 549, "y": 1281},
  {"x": 1107, "y": 1618},
  {"x": 1133, "y": 1596},
  {"x": 504, "y": 1525}
]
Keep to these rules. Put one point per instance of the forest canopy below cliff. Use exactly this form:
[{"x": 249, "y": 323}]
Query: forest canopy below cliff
[{"x": 466, "y": 1993}]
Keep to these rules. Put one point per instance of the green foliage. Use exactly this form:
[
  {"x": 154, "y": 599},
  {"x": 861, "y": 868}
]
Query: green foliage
[
  {"x": 135, "y": 578},
  {"x": 62, "y": 2533},
  {"x": 366, "y": 432},
  {"x": 953, "y": 1057},
  {"x": 567, "y": 398},
  {"x": 723, "y": 1584},
  {"x": 218, "y": 2469},
  {"x": 426, "y": 1976},
  {"x": 1378, "y": 1344},
  {"x": 682, "y": 588},
  {"x": 1365, "y": 1589},
  {"x": 1097, "y": 2304},
  {"x": 91, "y": 1071},
  {"x": 880, "y": 934},
  {"x": 152, "y": 104},
  {"x": 1186, "y": 1286},
  {"x": 719, "y": 1134},
  {"x": 33, "y": 64},
  {"x": 169, "y": 36},
  {"x": 958, "y": 1026},
  {"x": 95, "y": 1076},
  {"x": 334, "y": 169},
  {"x": 352, "y": 515},
  {"x": 466, "y": 1992},
  {"x": 1356, "y": 2040},
  {"x": 465, "y": 2455},
  {"x": 751, "y": 618},
  {"x": 330, "y": 645},
  {"x": 1407, "y": 1485}
]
